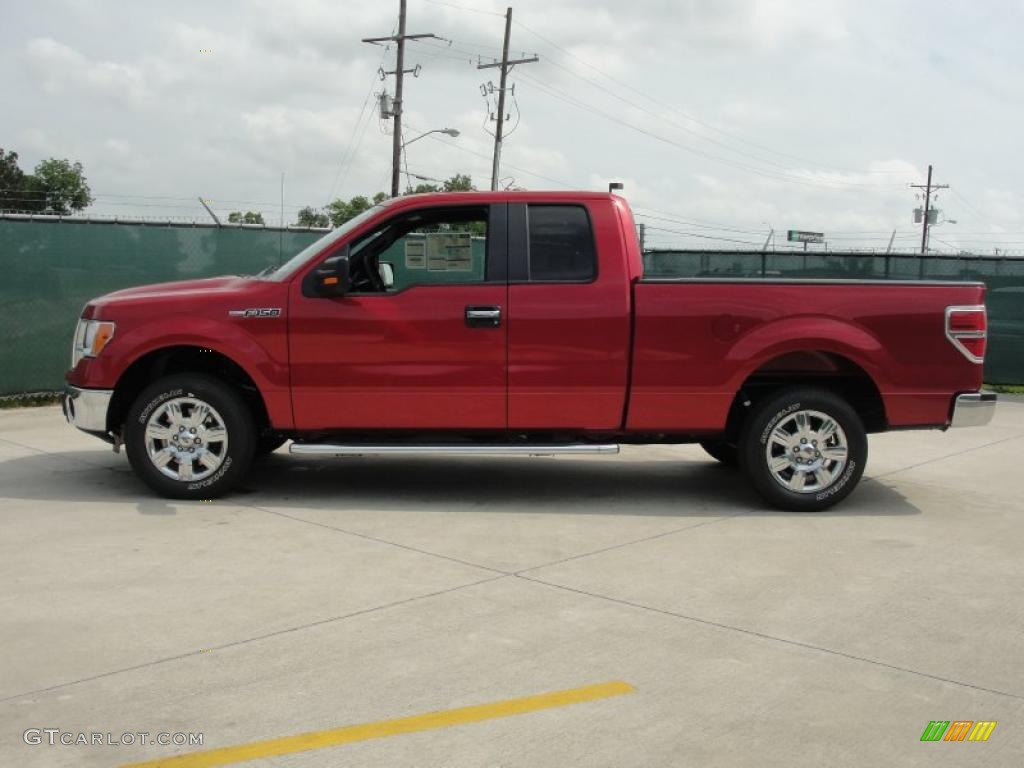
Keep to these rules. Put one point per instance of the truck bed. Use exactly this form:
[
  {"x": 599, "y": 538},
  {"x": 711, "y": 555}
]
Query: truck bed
[{"x": 698, "y": 340}]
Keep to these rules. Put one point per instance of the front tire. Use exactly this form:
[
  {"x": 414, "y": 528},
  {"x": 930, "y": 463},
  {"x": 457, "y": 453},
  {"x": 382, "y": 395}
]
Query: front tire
[
  {"x": 189, "y": 436},
  {"x": 804, "y": 449}
]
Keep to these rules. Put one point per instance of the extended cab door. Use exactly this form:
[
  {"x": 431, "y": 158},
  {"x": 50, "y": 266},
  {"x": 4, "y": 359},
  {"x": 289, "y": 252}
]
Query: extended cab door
[
  {"x": 569, "y": 316},
  {"x": 426, "y": 351}
]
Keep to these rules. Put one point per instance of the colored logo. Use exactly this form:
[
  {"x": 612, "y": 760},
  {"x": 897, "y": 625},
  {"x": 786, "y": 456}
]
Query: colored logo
[{"x": 958, "y": 730}]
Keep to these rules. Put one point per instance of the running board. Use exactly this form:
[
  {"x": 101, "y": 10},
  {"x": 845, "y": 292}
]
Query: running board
[{"x": 493, "y": 449}]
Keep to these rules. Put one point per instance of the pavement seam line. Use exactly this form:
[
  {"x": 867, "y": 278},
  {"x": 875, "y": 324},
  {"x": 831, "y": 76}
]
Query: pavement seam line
[
  {"x": 773, "y": 638},
  {"x": 54, "y": 455},
  {"x": 486, "y": 567},
  {"x": 613, "y": 547},
  {"x": 948, "y": 456},
  {"x": 255, "y": 638},
  {"x": 378, "y": 540}
]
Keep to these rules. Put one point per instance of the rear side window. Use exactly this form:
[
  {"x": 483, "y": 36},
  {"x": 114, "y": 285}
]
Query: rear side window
[{"x": 561, "y": 244}]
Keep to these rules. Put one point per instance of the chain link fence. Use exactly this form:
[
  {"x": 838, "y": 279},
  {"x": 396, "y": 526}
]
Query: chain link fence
[{"x": 53, "y": 266}]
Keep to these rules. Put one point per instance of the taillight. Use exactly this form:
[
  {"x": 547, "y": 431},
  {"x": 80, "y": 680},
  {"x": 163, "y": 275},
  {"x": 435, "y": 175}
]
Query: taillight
[{"x": 967, "y": 329}]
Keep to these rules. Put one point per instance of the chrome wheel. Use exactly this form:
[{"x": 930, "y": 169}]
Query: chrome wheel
[
  {"x": 186, "y": 439},
  {"x": 806, "y": 451}
]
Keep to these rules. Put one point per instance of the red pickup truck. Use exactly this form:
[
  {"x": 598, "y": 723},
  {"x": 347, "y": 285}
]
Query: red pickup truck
[{"x": 519, "y": 323}]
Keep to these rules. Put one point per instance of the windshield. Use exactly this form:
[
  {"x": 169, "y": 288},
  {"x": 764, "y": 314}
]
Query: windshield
[{"x": 293, "y": 264}]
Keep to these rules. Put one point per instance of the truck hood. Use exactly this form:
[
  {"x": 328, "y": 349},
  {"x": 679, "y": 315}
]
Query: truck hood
[
  {"x": 158, "y": 290},
  {"x": 205, "y": 290}
]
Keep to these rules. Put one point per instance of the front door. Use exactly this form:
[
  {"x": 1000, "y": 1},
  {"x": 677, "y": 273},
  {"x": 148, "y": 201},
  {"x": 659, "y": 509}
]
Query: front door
[{"x": 419, "y": 342}]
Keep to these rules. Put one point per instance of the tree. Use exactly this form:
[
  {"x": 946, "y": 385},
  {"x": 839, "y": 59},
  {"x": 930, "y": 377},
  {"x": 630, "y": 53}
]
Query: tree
[
  {"x": 61, "y": 184},
  {"x": 341, "y": 211},
  {"x": 12, "y": 181},
  {"x": 249, "y": 217},
  {"x": 56, "y": 187},
  {"x": 310, "y": 217},
  {"x": 460, "y": 182}
]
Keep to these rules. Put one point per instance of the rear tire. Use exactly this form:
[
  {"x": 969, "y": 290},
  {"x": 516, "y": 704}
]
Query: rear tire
[
  {"x": 722, "y": 451},
  {"x": 189, "y": 436},
  {"x": 803, "y": 449}
]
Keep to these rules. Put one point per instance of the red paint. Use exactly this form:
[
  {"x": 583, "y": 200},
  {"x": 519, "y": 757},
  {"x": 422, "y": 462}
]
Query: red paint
[
  {"x": 401, "y": 361},
  {"x": 569, "y": 342},
  {"x": 696, "y": 343},
  {"x": 567, "y": 356}
]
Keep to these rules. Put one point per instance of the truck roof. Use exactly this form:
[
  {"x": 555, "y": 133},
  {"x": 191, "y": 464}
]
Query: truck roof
[{"x": 501, "y": 196}]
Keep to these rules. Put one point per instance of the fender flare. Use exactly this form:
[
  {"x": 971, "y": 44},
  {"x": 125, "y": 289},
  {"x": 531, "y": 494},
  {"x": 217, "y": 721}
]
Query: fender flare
[
  {"x": 241, "y": 349},
  {"x": 809, "y": 333}
]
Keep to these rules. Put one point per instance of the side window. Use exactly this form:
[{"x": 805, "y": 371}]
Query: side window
[
  {"x": 424, "y": 247},
  {"x": 561, "y": 244}
]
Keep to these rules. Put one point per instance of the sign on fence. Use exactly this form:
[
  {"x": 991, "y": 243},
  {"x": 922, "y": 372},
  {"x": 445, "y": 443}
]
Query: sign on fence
[{"x": 800, "y": 236}]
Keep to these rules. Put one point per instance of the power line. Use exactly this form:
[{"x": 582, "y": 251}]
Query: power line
[
  {"x": 468, "y": 151},
  {"x": 658, "y": 116},
  {"x": 463, "y": 8},
  {"x": 561, "y": 95},
  {"x": 694, "y": 223},
  {"x": 685, "y": 115},
  {"x": 447, "y": 44},
  {"x": 700, "y": 236},
  {"x": 346, "y": 159}
]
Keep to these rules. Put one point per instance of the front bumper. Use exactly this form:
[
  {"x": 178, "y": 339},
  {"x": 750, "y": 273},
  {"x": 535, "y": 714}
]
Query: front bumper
[
  {"x": 973, "y": 409},
  {"x": 87, "y": 408}
]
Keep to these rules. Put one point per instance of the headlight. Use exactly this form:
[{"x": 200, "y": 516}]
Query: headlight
[{"x": 91, "y": 336}]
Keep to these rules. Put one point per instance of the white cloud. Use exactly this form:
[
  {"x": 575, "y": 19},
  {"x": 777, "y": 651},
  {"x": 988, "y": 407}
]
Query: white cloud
[
  {"x": 806, "y": 114},
  {"x": 60, "y": 67}
]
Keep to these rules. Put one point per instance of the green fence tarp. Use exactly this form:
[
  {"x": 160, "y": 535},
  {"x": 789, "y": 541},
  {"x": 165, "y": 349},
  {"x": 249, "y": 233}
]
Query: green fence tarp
[{"x": 52, "y": 268}]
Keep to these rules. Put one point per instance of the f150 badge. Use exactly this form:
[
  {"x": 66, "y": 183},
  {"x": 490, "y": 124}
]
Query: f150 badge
[{"x": 259, "y": 312}]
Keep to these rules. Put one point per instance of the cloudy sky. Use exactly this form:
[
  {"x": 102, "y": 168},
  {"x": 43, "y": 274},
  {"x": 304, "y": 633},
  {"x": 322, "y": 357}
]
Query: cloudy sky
[{"x": 722, "y": 117}]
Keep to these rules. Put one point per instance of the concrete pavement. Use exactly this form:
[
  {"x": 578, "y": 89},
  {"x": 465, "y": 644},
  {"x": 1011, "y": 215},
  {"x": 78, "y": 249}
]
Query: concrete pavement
[{"x": 330, "y": 593}]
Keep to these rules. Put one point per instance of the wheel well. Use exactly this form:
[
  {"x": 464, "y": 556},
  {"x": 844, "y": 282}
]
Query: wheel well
[
  {"x": 813, "y": 368},
  {"x": 183, "y": 359}
]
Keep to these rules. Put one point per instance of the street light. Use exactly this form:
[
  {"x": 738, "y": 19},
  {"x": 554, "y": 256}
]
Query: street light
[{"x": 453, "y": 132}]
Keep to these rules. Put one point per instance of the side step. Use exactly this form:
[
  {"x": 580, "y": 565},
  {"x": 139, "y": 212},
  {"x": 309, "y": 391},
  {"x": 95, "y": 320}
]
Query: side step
[{"x": 450, "y": 449}]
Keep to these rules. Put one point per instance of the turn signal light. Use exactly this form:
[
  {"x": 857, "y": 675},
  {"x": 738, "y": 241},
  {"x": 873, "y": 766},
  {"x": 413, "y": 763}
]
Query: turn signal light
[
  {"x": 967, "y": 330},
  {"x": 104, "y": 332}
]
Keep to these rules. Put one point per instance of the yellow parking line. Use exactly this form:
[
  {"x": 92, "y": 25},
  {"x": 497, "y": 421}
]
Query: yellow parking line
[{"x": 425, "y": 722}]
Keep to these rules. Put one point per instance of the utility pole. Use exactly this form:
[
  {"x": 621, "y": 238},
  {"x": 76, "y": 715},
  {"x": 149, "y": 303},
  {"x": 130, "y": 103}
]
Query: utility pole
[
  {"x": 928, "y": 188},
  {"x": 506, "y": 67},
  {"x": 643, "y": 235},
  {"x": 399, "y": 73}
]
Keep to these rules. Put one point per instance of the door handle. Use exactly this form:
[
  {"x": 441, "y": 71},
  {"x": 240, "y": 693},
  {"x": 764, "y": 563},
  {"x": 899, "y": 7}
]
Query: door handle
[{"x": 483, "y": 317}]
